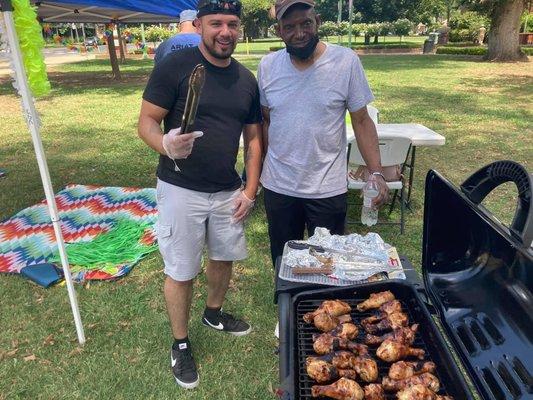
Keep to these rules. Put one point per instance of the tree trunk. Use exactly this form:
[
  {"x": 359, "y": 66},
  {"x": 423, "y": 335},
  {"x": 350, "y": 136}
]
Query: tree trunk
[
  {"x": 503, "y": 34},
  {"x": 113, "y": 57},
  {"x": 367, "y": 39},
  {"x": 120, "y": 45},
  {"x": 376, "y": 39}
]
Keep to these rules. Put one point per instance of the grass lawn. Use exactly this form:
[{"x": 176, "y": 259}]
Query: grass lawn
[{"x": 89, "y": 133}]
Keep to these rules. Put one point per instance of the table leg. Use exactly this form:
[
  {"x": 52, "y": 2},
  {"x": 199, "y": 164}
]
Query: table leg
[{"x": 411, "y": 176}]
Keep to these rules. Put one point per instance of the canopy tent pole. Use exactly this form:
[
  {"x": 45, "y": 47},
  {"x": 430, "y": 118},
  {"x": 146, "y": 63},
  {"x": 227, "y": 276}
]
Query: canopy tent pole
[{"x": 32, "y": 120}]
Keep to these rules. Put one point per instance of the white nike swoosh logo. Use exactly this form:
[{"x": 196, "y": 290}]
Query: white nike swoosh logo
[
  {"x": 219, "y": 326},
  {"x": 173, "y": 361}
]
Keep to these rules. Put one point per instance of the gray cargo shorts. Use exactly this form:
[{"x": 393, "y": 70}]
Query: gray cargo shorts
[{"x": 188, "y": 220}]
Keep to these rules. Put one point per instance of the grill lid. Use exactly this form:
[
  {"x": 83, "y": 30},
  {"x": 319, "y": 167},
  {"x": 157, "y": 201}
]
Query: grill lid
[{"x": 479, "y": 276}]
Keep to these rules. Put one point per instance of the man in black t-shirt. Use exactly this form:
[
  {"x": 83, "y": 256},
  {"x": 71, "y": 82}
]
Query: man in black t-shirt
[{"x": 199, "y": 195}]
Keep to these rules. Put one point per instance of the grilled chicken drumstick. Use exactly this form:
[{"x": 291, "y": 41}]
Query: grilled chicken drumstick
[
  {"x": 366, "y": 367},
  {"x": 392, "y": 351},
  {"x": 405, "y": 335},
  {"x": 331, "y": 307},
  {"x": 419, "y": 392},
  {"x": 375, "y": 300},
  {"x": 390, "y": 321},
  {"x": 406, "y": 369},
  {"x": 326, "y": 343},
  {"x": 374, "y": 391},
  {"x": 343, "y": 389},
  {"x": 323, "y": 372},
  {"x": 428, "y": 380}
]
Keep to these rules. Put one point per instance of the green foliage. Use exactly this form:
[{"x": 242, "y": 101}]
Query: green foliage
[
  {"x": 157, "y": 34},
  {"x": 327, "y": 28},
  {"x": 373, "y": 29},
  {"x": 465, "y": 27},
  {"x": 358, "y": 29},
  {"x": 388, "y": 46},
  {"x": 385, "y": 28},
  {"x": 255, "y": 19},
  {"x": 470, "y": 51},
  {"x": 136, "y": 33},
  {"x": 343, "y": 28},
  {"x": 385, "y": 10},
  {"x": 526, "y": 22},
  {"x": 402, "y": 27},
  {"x": 474, "y": 50}
]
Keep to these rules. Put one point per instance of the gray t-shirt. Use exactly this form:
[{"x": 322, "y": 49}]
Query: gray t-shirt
[{"x": 306, "y": 154}]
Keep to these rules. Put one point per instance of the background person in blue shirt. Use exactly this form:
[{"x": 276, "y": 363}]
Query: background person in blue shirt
[{"x": 187, "y": 37}]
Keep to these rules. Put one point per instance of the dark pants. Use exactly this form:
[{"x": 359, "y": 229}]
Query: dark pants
[{"x": 289, "y": 216}]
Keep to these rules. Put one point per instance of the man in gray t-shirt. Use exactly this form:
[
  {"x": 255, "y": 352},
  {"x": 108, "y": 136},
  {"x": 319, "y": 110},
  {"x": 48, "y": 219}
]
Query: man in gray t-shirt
[{"x": 305, "y": 91}]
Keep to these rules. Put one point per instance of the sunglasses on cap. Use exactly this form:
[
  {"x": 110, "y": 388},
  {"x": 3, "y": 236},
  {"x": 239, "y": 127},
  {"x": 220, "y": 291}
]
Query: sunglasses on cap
[{"x": 219, "y": 6}]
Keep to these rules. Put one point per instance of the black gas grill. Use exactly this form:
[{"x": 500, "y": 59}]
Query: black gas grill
[{"x": 478, "y": 279}]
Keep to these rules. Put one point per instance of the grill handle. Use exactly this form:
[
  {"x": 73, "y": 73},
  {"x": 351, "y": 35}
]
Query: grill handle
[{"x": 485, "y": 180}]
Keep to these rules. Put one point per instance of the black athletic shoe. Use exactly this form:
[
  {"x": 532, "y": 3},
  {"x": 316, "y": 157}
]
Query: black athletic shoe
[
  {"x": 228, "y": 323},
  {"x": 184, "y": 367}
]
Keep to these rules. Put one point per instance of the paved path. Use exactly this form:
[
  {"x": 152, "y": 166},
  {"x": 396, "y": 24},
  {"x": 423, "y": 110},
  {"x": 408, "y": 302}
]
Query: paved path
[{"x": 51, "y": 57}]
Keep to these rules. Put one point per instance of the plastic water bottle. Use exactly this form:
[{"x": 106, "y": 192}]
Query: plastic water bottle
[{"x": 369, "y": 215}]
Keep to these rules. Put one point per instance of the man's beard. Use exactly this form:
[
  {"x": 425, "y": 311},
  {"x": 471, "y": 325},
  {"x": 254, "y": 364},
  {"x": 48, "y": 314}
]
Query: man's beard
[
  {"x": 221, "y": 55},
  {"x": 303, "y": 53}
]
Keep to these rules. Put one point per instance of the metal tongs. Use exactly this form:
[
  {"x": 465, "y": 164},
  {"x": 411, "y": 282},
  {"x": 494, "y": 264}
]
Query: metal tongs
[{"x": 196, "y": 83}]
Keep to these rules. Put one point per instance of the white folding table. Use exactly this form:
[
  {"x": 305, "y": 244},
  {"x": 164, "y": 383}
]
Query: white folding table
[{"x": 419, "y": 135}]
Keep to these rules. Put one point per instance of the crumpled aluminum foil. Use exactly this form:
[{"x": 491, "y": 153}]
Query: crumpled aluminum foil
[
  {"x": 302, "y": 258},
  {"x": 371, "y": 245}
]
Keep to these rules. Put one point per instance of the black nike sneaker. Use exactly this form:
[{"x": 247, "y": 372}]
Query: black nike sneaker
[
  {"x": 227, "y": 323},
  {"x": 184, "y": 367}
]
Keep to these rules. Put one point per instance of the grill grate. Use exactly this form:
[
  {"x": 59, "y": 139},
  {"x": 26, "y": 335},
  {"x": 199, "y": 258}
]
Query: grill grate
[{"x": 305, "y": 332}]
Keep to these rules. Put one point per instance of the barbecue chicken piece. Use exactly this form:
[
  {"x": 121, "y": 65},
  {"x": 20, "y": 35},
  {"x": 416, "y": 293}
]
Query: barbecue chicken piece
[
  {"x": 376, "y": 324},
  {"x": 343, "y": 389},
  {"x": 326, "y": 343},
  {"x": 374, "y": 391},
  {"x": 376, "y": 300},
  {"x": 419, "y": 392},
  {"x": 331, "y": 307},
  {"x": 392, "y": 351},
  {"x": 426, "y": 379},
  {"x": 326, "y": 323},
  {"x": 323, "y": 372},
  {"x": 345, "y": 331},
  {"x": 406, "y": 369},
  {"x": 390, "y": 307},
  {"x": 405, "y": 335},
  {"x": 366, "y": 367}
]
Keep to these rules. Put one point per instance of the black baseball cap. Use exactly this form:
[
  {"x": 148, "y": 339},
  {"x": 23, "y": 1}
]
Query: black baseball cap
[{"x": 231, "y": 7}]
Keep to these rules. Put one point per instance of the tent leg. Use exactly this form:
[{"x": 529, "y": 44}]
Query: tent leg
[{"x": 32, "y": 120}]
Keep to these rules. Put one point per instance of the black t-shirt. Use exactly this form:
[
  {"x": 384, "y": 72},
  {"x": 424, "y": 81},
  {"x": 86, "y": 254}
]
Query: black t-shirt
[{"x": 229, "y": 99}]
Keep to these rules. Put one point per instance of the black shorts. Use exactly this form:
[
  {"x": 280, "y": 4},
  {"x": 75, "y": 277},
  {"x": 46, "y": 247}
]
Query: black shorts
[{"x": 288, "y": 217}]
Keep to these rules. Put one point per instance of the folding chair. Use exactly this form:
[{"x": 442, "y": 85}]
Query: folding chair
[
  {"x": 393, "y": 151},
  {"x": 374, "y": 113}
]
